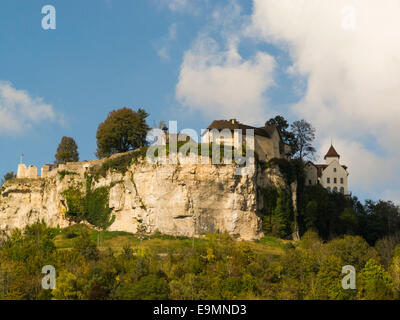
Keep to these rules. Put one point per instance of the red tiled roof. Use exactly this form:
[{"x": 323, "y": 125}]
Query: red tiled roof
[{"x": 332, "y": 153}]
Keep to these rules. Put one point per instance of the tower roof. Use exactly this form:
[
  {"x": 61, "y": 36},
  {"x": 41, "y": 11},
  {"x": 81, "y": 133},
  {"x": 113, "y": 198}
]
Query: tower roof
[{"x": 332, "y": 153}]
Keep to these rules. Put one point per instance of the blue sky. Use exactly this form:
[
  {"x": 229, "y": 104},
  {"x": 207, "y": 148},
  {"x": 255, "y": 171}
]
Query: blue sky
[{"x": 186, "y": 60}]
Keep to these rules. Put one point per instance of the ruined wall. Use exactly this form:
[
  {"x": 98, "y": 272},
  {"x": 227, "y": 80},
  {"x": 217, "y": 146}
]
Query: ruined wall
[{"x": 188, "y": 199}]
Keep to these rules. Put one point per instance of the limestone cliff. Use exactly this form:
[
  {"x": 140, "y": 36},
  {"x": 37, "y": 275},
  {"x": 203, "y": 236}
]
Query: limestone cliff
[{"x": 182, "y": 199}]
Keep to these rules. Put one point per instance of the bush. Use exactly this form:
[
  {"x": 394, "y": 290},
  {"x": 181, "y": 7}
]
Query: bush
[
  {"x": 119, "y": 163},
  {"x": 375, "y": 283},
  {"x": 92, "y": 206},
  {"x": 64, "y": 173},
  {"x": 150, "y": 287},
  {"x": 86, "y": 247}
]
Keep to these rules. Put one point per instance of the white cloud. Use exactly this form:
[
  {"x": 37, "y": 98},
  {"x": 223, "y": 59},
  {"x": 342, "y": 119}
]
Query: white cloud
[
  {"x": 221, "y": 84},
  {"x": 178, "y": 5},
  {"x": 164, "y": 45},
  {"x": 19, "y": 111},
  {"x": 368, "y": 170},
  {"x": 392, "y": 195},
  {"x": 352, "y": 76},
  {"x": 172, "y": 31},
  {"x": 182, "y": 6},
  {"x": 216, "y": 80},
  {"x": 345, "y": 68}
]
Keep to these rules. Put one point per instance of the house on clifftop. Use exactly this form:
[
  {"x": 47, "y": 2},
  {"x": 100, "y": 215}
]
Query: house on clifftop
[
  {"x": 267, "y": 139},
  {"x": 332, "y": 175}
]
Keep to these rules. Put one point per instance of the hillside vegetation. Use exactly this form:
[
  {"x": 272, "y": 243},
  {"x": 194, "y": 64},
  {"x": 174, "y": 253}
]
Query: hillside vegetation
[{"x": 126, "y": 266}]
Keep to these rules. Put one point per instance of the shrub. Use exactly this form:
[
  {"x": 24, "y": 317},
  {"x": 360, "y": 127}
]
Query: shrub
[
  {"x": 119, "y": 163},
  {"x": 86, "y": 247},
  {"x": 63, "y": 173},
  {"x": 92, "y": 206}
]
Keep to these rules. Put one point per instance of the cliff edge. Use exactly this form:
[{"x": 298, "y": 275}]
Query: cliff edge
[{"x": 176, "y": 199}]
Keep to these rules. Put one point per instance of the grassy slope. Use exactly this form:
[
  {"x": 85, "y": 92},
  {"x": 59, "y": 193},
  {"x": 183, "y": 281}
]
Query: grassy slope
[{"x": 159, "y": 243}]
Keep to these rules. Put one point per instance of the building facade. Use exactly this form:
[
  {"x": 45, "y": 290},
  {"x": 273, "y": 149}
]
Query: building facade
[
  {"x": 332, "y": 175},
  {"x": 268, "y": 143}
]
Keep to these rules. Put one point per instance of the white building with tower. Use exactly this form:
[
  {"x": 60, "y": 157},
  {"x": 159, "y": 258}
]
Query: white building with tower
[{"x": 332, "y": 175}]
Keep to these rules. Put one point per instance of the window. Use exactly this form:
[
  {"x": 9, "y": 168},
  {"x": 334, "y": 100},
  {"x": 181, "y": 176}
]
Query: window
[
  {"x": 310, "y": 182},
  {"x": 334, "y": 180},
  {"x": 341, "y": 180},
  {"x": 334, "y": 169},
  {"x": 342, "y": 190},
  {"x": 328, "y": 180},
  {"x": 329, "y": 189},
  {"x": 335, "y": 189}
]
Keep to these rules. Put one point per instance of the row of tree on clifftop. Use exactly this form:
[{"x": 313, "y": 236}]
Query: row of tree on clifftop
[
  {"x": 126, "y": 129},
  {"x": 123, "y": 130}
]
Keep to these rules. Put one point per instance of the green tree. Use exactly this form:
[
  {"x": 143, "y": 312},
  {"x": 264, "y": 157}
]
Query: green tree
[
  {"x": 304, "y": 135},
  {"x": 299, "y": 268},
  {"x": 150, "y": 287},
  {"x": 269, "y": 196},
  {"x": 348, "y": 220},
  {"x": 86, "y": 247},
  {"x": 8, "y": 176},
  {"x": 98, "y": 212},
  {"x": 311, "y": 215},
  {"x": 68, "y": 287},
  {"x": 122, "y": 131},
  {"x": 67, "y": 151},
  {"x": 328, "y": 280},
  {"x": 375, "y": 283},
  {"x": 278, "y": 223},
  {"x": 379, "y": 219},
  {"x": 353, "y": 250},
  {"x": 387, "y": 246},
  {"x": 22, "y": 256},
  {"x": 287, "y": 136},
  {"x": 394, "y": 269}
]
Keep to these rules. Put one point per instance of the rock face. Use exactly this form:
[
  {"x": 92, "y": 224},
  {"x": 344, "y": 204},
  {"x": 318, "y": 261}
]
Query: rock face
[{"x": 180, "y": 199}]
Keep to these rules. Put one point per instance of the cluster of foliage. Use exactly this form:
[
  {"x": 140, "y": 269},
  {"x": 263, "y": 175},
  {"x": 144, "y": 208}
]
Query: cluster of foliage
[
  {"x": 215, "y": 151},
  {"x": 299, "y": 137},
  {"x": 64, "y": 173},
  {"x": 91, "y": 206},
  {"x": 292, "y": 170},
  {"x": 333, "y": 214},
  {"x": 280, "y": 219},
  {"x": 119, "y": 163},
  {"x": 8, "y": 176},
  {"x": 67, "y": 151},
  {"x": 304, "y": 134},
  {"x": 218, "y": 268},
  {"x": 329, "y": 214},
  {"x": 123, "y": 130},
  {"x": 278, "y": 212}
]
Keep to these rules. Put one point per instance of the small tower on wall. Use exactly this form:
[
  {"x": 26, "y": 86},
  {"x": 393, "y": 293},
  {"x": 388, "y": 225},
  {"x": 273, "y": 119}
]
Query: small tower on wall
[{"x": 21, "y": 173}]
